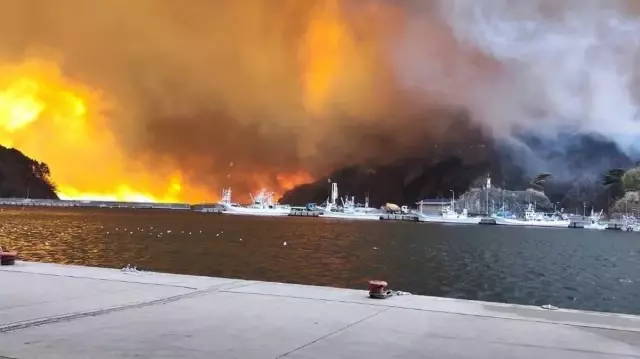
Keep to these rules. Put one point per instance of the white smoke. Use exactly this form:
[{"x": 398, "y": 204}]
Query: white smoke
[{"x": 548, "y": 67}]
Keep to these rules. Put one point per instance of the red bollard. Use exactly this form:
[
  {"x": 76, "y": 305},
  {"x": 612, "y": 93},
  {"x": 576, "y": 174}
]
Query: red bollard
[{"x": 377, "y": 288}]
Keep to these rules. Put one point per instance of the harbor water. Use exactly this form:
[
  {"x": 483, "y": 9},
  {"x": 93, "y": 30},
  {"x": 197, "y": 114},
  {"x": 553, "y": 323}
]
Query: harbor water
[{"x": 567, "y": 268}]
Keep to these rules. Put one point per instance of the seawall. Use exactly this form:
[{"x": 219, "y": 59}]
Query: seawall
[{"x": 61, "y": 311}]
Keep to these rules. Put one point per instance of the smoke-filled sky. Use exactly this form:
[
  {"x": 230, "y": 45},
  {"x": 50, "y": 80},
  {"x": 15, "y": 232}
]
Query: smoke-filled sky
[{"x": 180, "y": 98}]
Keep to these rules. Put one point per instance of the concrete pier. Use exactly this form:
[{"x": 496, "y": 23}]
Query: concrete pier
[{"x": 58, "y": 311}]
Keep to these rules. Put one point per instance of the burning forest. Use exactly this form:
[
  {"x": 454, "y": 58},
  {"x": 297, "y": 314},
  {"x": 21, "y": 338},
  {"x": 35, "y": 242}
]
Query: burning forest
[{"x": 171, "y": 101}]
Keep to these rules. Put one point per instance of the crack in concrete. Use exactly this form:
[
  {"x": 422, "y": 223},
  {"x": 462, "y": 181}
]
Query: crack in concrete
[
  {"x": 94, "y": 313},
  {"x": 332, "y": 333}
]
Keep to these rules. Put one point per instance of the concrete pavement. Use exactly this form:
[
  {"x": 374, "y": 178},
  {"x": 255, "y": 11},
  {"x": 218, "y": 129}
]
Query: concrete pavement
[{"x": 57, "y": 311}]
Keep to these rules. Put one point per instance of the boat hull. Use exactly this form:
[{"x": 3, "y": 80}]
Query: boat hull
[
  {"x": 598, "y": 227},
  {"x": 241, "y": 211},
  {"x": 521, "y": 223},
  {"x": 468, "y": 220},
  {"x": 357, "y": 216}
]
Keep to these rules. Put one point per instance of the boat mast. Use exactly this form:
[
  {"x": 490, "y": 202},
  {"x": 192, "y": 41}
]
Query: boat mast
[
  {"x": 453, "y": 200},
  {"x": 487, "y": 193},
  {"x": 334, "y": 193}
]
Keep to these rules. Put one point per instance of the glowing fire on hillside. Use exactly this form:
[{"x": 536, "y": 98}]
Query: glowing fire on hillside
[{"x": 65, "y": 124}]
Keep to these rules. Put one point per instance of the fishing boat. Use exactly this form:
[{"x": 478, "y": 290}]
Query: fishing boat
[
  {"x": 630, "y": 223},
  {"x": 449, "y": 215},
  {"x": 262, "y": 204},
  {"x": 594, "y": 222},
  {"x": 533, "y": 219},
  {"x": 349, "y": 208}
]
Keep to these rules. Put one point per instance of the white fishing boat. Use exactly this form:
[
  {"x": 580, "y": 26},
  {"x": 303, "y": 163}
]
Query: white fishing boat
[
  {"x": 630, "y": 223},
  {"x": 349, "y": 209},
  {"x": 534, "y": 219},
  {"x": 262, "y": 205},
  {"x": 449, "y": 215},
  {"x": 594, "y": 222}
]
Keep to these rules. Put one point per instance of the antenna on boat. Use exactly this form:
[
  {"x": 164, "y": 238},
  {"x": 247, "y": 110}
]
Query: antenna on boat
[
  {"x": 226, "y": 195},
  {"x": 334, "y": 193},
  {"x": 453, "y": 199}
]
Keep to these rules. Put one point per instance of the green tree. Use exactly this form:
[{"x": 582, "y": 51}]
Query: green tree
[
  {"x": 613, "y": 177},
  {"x": 612, "y": 181},
  {"x": 539, "y": 181},
  {"x": 631, "y": 180}
]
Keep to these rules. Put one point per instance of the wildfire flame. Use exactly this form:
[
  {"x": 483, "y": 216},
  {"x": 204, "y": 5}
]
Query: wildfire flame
[
  {"x": 323, "y": 50},
  {"x": 65, "y": 124}
]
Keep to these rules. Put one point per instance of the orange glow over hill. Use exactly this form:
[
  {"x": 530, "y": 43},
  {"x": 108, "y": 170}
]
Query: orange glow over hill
[{"x": 66, "y": 124}]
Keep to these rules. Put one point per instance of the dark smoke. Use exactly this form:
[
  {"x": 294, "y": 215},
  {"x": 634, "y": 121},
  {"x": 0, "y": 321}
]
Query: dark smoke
[{"x": 223, "y": 87}]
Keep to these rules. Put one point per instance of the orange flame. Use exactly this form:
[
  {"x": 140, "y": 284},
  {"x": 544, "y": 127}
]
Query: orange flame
[
  {"x": 291, "y": 180},
  {"x": 323, "y": 52},
  {"x": 64, "y": 124}
]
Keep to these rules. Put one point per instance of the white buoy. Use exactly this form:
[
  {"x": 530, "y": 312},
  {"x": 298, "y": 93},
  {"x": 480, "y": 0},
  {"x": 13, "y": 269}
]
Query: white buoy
[{"x": 284, "y": 244}]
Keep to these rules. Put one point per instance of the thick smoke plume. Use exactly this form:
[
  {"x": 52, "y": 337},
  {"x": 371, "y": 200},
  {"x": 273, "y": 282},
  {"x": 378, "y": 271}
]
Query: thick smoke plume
[
  {"x": 255, "y": 92},
  {"x": 541, "y": 69}
]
